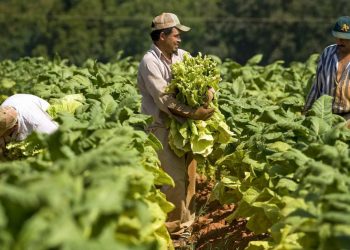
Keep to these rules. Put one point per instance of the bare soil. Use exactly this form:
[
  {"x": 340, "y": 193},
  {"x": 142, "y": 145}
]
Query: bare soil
[{"x": 210, "y": 229}]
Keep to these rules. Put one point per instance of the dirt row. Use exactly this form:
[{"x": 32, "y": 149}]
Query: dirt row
[{"x": 210, "y": 229}]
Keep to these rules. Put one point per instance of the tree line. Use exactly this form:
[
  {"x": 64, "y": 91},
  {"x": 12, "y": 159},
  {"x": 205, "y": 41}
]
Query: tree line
[{"x": 287, "y": 30}]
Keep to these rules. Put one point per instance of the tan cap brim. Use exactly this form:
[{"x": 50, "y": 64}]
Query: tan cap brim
[{"x": 183, "y": 27}]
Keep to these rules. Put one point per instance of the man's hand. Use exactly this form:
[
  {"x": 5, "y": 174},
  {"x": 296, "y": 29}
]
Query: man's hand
[
  {"x": 209, "y": 97},
  {"x": 202, "y": 113}
]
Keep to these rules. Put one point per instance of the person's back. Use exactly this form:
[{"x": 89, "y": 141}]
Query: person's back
[{"x": 31, "y": 115}]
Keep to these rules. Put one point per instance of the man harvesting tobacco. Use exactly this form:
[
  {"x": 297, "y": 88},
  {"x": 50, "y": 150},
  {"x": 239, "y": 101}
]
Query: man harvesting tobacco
[
  {"x": 154, "y": 75},
  {"x": 333, "y": 71},
  {"x": 20, "y": 115}
]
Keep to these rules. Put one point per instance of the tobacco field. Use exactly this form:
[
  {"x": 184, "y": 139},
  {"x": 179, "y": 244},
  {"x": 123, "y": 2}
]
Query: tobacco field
[{"x": 94, "y": 183}]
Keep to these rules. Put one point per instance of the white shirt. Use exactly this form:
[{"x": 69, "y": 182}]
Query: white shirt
[{"x": 32, "y": 116}]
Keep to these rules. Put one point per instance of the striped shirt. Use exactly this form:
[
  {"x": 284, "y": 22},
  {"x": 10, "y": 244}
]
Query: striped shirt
[{"x": 326, "y": 82}]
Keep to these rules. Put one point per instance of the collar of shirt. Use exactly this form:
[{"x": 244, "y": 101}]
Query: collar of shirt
[{"x": 161, "y": 55}]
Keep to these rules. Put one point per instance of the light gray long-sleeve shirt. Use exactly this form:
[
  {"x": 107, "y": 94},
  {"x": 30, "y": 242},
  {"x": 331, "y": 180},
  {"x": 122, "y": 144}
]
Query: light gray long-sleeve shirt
[{"x": 154, "y": 74}]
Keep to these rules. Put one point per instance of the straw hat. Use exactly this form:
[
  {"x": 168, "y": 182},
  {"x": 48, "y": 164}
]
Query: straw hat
[{"x": 8, "y": 119}]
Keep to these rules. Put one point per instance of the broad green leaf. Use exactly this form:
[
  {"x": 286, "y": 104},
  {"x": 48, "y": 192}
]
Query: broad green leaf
[{"x": 255, "y": 59}]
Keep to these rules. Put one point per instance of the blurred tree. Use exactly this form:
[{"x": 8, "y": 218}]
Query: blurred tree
[{"x": 237, "y": 29}]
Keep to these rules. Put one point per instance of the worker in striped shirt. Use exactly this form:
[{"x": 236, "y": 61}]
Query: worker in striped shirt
[{"x": 333, "y": 71}]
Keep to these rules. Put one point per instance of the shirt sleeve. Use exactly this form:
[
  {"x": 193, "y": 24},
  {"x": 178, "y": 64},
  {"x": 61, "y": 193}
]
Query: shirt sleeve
[
  {"x": 43, "y": 104},
  {"x": 156, "y": 85},
  {"x": 46, "y": 125},
  {"x": 315, "y": 91},
  {"x": 33, "y": 118}
]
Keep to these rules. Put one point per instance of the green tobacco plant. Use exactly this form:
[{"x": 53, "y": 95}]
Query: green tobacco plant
[
  {"x": 96, "y": 176},
  {"x": 288, "y": 174}
]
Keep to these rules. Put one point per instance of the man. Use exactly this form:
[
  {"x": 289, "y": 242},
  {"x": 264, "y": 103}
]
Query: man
[
  {"x": 333, "y": 71},
  {"x": 153, "y": 76},
  {"x": 20, "y": 115}
]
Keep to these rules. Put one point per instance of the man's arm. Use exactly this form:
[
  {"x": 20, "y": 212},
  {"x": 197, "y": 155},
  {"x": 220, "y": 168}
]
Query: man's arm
[
  {"x": 315, "y": 91},
  {"x": 311, "y": 98},
  {"x": 156, "y": 85},
  {"x": 167, "y": 102},
  {"x": 200, "y": 113}
]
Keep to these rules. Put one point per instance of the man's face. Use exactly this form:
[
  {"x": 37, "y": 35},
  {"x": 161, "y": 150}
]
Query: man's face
[
  {"x": 172, "y": 41},
  {"x": 5, "y": 136},
  {"x": 9, "y": 131},
  {"x": 343, "y": 45}
]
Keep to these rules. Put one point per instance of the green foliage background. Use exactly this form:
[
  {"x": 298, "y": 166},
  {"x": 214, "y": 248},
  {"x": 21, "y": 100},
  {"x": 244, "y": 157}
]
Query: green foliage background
[{"x": 290, "y": 30}]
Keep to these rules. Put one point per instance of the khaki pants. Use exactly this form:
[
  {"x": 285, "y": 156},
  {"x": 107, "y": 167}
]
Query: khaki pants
[{"x": 183, "y": 171}]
